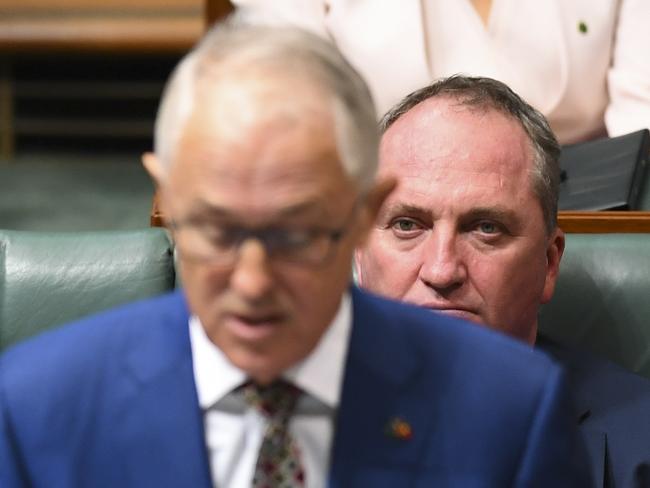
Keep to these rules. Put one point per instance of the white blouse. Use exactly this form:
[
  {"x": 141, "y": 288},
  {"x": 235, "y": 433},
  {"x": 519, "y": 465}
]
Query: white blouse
[{"x": 583, "y": 63}]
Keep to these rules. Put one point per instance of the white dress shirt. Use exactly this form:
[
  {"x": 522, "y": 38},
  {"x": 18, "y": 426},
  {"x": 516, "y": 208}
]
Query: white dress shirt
[{"x": 234, "y": 431}]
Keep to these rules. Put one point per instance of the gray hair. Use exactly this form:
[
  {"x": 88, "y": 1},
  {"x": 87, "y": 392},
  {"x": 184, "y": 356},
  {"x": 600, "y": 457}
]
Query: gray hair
[
  {"x": 234, "y": 46},
  {"x": 486, "y": 93}
]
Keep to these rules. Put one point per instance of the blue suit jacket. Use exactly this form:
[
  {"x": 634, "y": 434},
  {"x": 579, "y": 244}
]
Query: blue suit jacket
[
  {"x": 111, "y": 401},
  {"x": 613, "y": 408}
]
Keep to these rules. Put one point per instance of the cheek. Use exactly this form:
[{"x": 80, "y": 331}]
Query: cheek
[
  {"x": 387, "y": 271},
  {"x": 510, "y": 283},
  {"x": 313, "y": 297},
  {"x": 303, "y": 285},
  {"x": 203, "y": 285}
]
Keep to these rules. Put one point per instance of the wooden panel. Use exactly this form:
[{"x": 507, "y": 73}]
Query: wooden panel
[
  {"x": 216, "y": 9},
  {"x": 58, "y": 5},
  {"x": 6, "y": 112},
  {"x": 79, "y": 128},
  {"x": 604, "y": 222},
  {"x": 80, "y": 90},
  {"x": 108, "y": 25},
  {"x": 158, "y": 34}
]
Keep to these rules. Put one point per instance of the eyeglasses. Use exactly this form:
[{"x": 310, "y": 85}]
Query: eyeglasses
[{"x": 220, "y": 244}]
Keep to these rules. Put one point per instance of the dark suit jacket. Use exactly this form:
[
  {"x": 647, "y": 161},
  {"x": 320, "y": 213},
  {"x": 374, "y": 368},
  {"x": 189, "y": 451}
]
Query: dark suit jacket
[
  {"x": 111, "y": 401},
  {"x": 613, "y": 407}
]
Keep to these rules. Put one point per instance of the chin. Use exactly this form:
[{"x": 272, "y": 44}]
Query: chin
[
  {"x": 261, "y": 370},
  {"x": 263, "y": 367}
]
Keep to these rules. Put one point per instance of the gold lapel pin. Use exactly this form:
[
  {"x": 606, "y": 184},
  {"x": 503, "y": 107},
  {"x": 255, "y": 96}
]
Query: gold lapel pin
[{"x": 399, "y": 428}]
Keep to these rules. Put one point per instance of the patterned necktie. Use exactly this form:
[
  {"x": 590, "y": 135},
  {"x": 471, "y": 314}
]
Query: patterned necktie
[{"x": 278, "y": 463}]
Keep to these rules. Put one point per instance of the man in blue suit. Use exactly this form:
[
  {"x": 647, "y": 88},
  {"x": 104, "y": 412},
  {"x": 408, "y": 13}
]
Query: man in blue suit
[
  {"x": 471, "y": 231},
  {"x": 268, "y": 369}
]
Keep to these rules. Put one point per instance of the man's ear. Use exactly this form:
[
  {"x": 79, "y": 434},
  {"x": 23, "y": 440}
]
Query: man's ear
[
  {"x": 154, "y": 167},
  {"x": 554, "y": 251},
  {"x": 372, "y": 205}
]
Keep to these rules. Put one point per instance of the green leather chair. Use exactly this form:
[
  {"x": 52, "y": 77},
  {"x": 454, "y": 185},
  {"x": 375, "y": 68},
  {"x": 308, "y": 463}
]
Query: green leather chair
[
  {"x": 602, "y": 299},
  {"x": 47, "y": 279}
]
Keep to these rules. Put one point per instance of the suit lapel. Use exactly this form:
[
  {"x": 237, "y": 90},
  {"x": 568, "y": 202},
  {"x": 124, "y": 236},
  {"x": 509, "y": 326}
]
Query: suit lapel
[
  {"x": 596, "y": 443},
  {"x": 163, "y": 423},
  {"x": 578, "y": 372},
  {"x": 375, "y": 417},
  {"x": 597, "y": 449}
]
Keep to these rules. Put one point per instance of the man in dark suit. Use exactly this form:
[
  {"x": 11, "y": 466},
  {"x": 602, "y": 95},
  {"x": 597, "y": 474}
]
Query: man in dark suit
[
  {"x": 471, "y": 231},
  {"x": 268, "y": 369}
]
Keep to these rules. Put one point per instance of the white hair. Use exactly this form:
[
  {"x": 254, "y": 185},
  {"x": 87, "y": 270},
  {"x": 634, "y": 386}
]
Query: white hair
[{"x": 233, "y": 46}]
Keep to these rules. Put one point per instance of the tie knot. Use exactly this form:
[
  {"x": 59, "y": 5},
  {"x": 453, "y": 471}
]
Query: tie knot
[{"x": 276, "y": 400}]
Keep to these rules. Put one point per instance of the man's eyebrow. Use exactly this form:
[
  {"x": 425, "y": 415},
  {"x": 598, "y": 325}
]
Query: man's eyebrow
[
  {"x": 203, "y": 210},
  {"x": 501, "y": 214},
  {"x": 405, "y": 208},
  {"x": 315, "y": 206}
]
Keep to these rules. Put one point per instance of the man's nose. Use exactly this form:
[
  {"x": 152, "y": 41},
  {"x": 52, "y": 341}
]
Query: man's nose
[
  {"x": 443, "y": 267},
  {"x": 251, "y": 276}
]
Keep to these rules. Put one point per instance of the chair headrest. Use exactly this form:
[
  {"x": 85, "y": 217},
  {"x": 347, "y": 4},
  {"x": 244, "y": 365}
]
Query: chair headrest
[{"x": 47, "y": 279}]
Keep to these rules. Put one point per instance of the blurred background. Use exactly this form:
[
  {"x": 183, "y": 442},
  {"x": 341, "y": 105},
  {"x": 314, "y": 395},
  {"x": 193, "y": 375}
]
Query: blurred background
[{"x": 79, "y": 85}]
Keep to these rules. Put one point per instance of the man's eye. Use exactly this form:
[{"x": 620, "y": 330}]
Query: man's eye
[
  {"x": 405, "y": 227},
  {"x": 294, "y": 239},
  {"x": 220, "y": 237},
  {"x": 286, "y": 240},
  {"x": 488, "y": 227}
]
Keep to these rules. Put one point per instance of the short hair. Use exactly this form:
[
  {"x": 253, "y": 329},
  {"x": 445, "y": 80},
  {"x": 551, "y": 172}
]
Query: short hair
[
  {"x": 487, "y": 93},
  {"x": 234, "y": 47}
]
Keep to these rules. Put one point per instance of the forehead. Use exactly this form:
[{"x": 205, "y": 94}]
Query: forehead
[
  {"x": 255, "y": 143},
  {"x": 439, "y": 144}
]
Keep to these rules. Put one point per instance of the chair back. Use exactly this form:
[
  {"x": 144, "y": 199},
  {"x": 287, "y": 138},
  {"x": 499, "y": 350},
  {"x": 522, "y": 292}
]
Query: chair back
[
  {"x": 602, "y": 299},
  {"x": 47, "y": 279}
]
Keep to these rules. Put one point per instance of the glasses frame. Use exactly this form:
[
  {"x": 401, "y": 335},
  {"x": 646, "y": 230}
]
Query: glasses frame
[{"x": 264, "y": 236}]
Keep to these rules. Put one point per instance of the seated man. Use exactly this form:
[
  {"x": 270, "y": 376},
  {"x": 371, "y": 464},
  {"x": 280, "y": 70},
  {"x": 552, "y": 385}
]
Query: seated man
[
  {"x": 268, "y": 362},
  {"x": 471, "y": 232}
]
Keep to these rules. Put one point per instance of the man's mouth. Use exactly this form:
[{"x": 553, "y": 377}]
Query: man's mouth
[
  {"x": 258, "y": 319},
  {"x": 255, "y": 326},
  {"x": 456, "y": 312}
]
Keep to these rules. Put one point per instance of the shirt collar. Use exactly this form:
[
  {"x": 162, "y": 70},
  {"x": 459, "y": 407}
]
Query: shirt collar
[{"x": 320, "y": 374}]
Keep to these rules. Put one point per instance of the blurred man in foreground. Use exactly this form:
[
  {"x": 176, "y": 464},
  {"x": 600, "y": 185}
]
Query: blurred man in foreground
[
  {"x": 268, "y": 361},
  {"x": 471, "y": 232}
]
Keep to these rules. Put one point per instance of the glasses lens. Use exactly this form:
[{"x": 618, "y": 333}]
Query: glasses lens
[
  {"x": 219, "y": 244},
  {"x": 208, "y": 244},
  {"x": 300, "y": 246}
]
